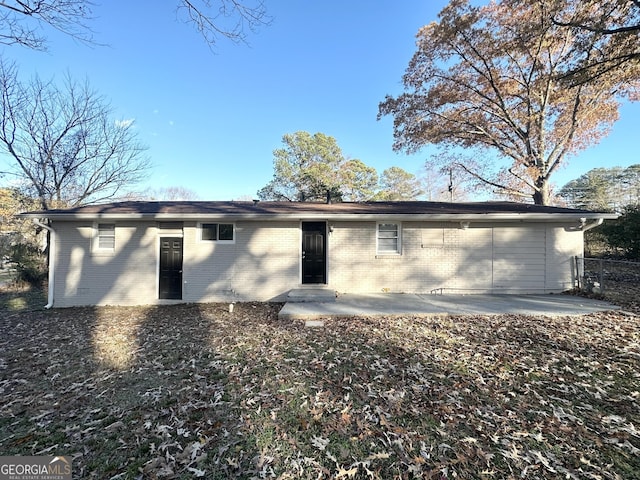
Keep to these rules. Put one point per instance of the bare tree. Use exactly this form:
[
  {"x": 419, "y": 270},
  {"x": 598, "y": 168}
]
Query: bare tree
[
  {"x": 170, "y": 193},
  {"x": 230, "y": 19},
  {"x": 444, "y": 184},
  {"x": 63, "y": 142},
  {"x": 21, "y": 21}
]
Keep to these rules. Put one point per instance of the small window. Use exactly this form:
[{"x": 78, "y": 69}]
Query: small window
[
  {"x": 388, "y": 238},
  {"x": 209, "y": 231},
  {"x": 214, "y": 232},
  {"x": 106, "y": 236},
  {"x": 225, "y": 231}
]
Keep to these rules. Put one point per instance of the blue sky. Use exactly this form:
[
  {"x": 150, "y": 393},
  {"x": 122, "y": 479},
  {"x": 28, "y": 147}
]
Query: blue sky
[{"x": 212, "y": 120}]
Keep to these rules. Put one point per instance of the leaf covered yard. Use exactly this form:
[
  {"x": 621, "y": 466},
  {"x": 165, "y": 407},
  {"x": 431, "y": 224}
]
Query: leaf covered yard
[{"x": 194, "y": 391}]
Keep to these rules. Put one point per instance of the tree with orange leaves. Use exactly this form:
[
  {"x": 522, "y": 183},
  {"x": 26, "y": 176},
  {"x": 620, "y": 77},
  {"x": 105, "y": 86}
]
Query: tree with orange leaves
[
  {"x": 616, "y": 24},
  {"x": 487, "y": 80}
]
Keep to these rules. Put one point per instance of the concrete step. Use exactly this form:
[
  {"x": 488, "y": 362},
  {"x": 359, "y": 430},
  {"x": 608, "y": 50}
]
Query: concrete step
[{"x": 317, "y": 294}]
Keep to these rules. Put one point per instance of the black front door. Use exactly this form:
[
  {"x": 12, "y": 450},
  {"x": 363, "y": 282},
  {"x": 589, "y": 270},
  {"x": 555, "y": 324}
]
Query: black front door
[
  {"x": 170, "y": 268},
  {"x": 314, "y": 257}
]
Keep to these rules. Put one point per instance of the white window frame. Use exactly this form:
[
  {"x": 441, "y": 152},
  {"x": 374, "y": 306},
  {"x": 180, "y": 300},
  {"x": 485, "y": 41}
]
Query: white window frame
[
  {"x": 201, "y": 229},
  {"x": 97, "y": 236},
  {"x": 398, "y": 250}
]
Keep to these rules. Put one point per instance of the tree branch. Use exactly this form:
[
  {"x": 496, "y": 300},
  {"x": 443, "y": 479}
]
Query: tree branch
[
  {"x": 603, "y": 31},
  {"x": 476, "y": 175},
  {"x": 70, "y": 17},
  {"x": 212, "y": 25},
  {"x": 65, "y": 143}
]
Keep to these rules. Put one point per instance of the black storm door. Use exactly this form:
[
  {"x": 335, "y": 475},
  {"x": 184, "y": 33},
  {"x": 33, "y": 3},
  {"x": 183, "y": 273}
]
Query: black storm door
[
  {"x": 314, "y": 258},
  {"x": 170, "y": 268}
]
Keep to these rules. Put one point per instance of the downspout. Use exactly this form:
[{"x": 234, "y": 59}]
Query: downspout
[
  {"x": 586, "y": 226},
  {"x": 52, "y": 257}
]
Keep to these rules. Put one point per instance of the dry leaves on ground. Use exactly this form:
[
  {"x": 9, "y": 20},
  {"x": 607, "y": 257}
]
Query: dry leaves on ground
[{"x": 194, "y": 391}]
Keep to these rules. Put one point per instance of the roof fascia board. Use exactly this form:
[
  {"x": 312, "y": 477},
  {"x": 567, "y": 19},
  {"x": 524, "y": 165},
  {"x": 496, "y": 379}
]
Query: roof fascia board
[{"x": 475, "y": 217}]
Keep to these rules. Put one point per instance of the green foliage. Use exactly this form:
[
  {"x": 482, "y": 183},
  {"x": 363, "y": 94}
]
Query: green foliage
[
  {"x": 31, "y": 263},
  {"x": 604, "y": 188},
  {"x": 310, "y": 167},
  {"x": 596, "y": 243},
  {"x": 623, "y": 234},
  {"x": 397, "y": 184},
  {"x": 14, "y": 229},
  {"x": 359, "y": 180},
  {"x": 304, "y": 169}
]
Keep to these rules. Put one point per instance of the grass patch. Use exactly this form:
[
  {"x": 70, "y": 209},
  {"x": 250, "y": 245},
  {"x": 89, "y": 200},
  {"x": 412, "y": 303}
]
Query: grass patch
[
  {"x": 18, "y": 298},
  {"x": 194, "y": 391}
]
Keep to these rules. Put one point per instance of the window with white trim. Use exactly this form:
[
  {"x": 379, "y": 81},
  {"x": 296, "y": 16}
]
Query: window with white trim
[
  {"x": 106, "y": 236},
  {"x": 388, "y": 239},
  {"x": 217, "y": 232}
]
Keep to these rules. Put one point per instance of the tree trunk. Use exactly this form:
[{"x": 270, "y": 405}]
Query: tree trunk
[{"x": 542, "y": 195}]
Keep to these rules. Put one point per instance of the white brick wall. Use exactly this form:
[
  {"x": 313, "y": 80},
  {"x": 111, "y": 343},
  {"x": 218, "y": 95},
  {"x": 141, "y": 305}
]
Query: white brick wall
[
  {"x": 262, "y": 264},
  {"x": 264, "y": 261},
  {"x": 84, "y": 276},
  {"x": 435, "y": 256}
]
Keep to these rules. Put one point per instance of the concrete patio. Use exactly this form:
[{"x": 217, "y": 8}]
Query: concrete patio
[{"x": 390, "y": 304}]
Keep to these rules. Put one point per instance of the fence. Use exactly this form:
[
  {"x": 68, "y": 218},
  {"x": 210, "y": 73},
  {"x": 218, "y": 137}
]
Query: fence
[{"x": 605, "y": 276}]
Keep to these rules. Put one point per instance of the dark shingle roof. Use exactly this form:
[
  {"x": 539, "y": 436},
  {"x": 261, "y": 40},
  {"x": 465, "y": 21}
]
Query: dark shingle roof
[{"x": 179, "y": 209}]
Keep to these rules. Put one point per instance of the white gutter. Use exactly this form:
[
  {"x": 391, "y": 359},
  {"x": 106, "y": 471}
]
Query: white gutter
[
  {"x": 423, "y": 217},
  {"x": 52, "y": 256}
]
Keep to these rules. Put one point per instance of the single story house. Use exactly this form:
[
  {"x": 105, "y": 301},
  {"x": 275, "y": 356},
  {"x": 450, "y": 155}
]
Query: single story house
[{"x": 139, "y": 252}]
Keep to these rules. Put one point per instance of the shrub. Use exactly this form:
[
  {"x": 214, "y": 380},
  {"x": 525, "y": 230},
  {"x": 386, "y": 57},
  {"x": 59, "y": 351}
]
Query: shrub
[
  {"x": 31, "y": 264},
  {"x": 596, "y": 244},
  {"x": 623, "y": 234}
]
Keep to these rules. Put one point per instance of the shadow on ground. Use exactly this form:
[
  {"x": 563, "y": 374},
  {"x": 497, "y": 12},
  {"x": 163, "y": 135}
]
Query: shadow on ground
[{"x": 193, "y": 391}]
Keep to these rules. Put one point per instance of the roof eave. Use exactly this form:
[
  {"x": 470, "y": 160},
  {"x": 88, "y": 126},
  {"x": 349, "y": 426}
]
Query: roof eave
[{"x": 477, "y": 217}]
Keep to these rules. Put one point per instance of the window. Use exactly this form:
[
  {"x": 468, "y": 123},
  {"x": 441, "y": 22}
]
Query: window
[
  {"x": 388, "y": 238},
  {"x": 216, "y": 232},
  {"x": 106, "y": 236}
]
